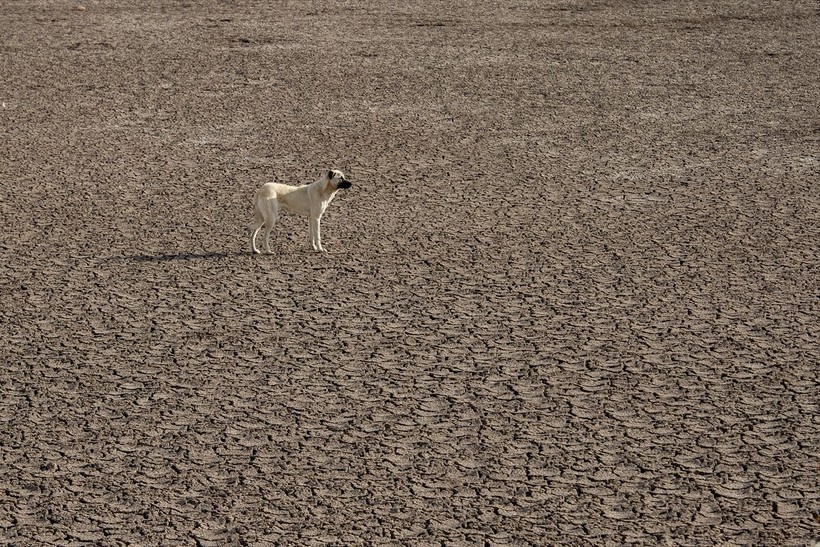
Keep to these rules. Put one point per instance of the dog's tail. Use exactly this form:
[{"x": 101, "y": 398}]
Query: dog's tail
[{"x": 258, "y": 220}]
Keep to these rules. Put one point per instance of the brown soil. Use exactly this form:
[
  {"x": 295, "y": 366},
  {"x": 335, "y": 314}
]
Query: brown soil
[{"x": 571, "y": 298}]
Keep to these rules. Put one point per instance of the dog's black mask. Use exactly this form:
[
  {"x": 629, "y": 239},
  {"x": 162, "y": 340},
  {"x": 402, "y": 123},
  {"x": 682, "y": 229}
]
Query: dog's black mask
[{"x": 344, "y": 184}]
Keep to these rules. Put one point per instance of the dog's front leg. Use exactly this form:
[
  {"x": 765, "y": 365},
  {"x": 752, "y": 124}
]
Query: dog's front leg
[{"x": 315, "y": 234}]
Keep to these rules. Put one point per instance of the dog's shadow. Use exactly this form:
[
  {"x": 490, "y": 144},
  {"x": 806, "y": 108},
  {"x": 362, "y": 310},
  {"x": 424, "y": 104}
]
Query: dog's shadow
[{"x": 173, "y": 257}]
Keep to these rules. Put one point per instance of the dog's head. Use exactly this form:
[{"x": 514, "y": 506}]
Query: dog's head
[{"x": 338, "y": 180}]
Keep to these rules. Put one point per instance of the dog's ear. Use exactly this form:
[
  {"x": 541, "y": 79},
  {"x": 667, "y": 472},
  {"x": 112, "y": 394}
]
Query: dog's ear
[{"x": 330, "y": 175}]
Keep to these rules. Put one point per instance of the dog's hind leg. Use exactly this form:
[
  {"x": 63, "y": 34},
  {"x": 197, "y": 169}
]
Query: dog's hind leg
[{"x": 270, "y": 212}]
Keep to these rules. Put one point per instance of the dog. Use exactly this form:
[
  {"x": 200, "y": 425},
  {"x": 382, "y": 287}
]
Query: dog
[{"x": 308, "y": 200}]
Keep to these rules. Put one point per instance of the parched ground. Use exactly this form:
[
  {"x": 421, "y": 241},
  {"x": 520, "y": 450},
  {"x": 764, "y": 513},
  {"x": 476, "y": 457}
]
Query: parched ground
[{"x": 572, "y": 297}]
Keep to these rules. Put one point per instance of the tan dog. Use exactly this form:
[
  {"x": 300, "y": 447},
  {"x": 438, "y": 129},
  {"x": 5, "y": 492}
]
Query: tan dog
[{"x": 309, "y": 200}]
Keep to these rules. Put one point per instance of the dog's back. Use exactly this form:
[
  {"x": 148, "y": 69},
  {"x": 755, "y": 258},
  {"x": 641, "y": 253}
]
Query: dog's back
[
  {"x": 289, "y": 198},
  {"x": 274, "y": 190}
]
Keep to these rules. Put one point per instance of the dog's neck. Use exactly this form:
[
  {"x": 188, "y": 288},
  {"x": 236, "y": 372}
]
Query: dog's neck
[{"x": 326, "y": 185}]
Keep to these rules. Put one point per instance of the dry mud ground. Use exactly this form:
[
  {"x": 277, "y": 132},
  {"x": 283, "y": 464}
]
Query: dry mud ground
[{"x": 572, "y": 297}]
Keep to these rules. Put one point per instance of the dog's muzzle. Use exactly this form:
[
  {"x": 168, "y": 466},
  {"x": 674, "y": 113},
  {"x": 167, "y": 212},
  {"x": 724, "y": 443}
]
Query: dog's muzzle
[{"x": 345, "y": 184}]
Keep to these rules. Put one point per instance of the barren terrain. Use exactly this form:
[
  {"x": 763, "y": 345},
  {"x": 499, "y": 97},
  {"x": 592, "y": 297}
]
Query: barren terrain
[{"x": 571, "y": 298}]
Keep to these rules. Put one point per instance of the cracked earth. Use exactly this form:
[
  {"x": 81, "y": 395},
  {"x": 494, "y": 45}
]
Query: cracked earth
[{"x": 571, "y": 298}]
